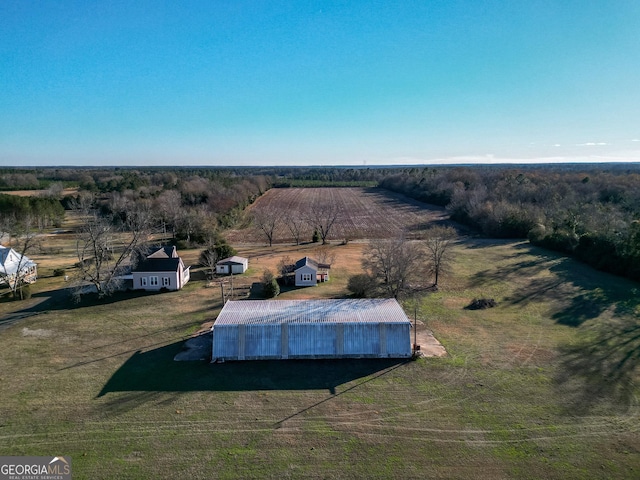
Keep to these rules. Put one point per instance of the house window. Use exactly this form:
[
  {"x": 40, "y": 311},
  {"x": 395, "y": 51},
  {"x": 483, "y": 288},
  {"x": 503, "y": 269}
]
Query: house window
[
  {"x": 143, "y": 281},
  {"x": 153, "y": 281},
  {"x": 306, "y": 277},
  {"x": 166, "y": 281}
]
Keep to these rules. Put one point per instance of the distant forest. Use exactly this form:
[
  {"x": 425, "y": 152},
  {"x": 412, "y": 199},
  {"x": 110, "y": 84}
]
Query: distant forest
[{"x": 591, "y": 212}]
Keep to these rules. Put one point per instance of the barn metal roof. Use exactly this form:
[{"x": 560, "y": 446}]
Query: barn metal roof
[
  {"x": 235, "y": 260},
  {"x": 255, "y": 312}
]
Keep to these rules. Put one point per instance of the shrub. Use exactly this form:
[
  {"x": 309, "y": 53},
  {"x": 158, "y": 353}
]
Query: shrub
[
  {"x": 536, "y": 234},
  {"x": 59, "y": 272},
  {"x": 217, "y": 250},
  {"x": 361, "y": 285},
  {"x": 481, "y": 304},
  {"x": 270, "y": 287},
  {"x": 315, "y": 238},
  {"x": 183, "y": 245}
]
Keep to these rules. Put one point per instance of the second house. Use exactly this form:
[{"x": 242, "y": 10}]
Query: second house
[{"x": 308, "y": 272}]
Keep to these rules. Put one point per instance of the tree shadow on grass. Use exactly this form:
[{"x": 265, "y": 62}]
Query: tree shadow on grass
[
  {"x": 156, "y": 371},
  {"x": 62, "y": 299},
  {"x": 575, "y": 292},
  {"x": 603, "y": 367}
]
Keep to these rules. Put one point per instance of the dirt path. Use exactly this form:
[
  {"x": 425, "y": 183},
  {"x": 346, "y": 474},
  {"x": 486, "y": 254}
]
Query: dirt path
[{"x": 429, "y": 345}]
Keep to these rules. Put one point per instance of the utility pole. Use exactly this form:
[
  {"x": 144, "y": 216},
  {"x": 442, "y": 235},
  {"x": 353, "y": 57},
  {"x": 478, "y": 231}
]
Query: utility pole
[{"x": 415, "y": 327}]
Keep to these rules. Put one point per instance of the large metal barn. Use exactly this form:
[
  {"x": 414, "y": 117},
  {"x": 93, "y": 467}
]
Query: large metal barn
[{"x": 282, "y": 329}]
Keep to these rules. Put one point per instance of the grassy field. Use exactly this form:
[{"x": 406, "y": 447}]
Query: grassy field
[{"x": 533, "y": 388}]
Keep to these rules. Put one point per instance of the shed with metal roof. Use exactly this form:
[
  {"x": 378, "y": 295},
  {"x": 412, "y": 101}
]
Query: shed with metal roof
[
  {"x": 283, "y": 329},
  {"x": 232, "y": 265}
]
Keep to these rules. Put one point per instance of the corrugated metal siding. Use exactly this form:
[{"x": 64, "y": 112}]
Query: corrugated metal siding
[
  {"x": 398, "y": 340},
  {"x": 361, "y": 339},
  {"x": 312, "y": 340},
  {"x": 225, "y": 342},
  {"x": 262, "y": 341},
  {"x": 311, "y": 328}
]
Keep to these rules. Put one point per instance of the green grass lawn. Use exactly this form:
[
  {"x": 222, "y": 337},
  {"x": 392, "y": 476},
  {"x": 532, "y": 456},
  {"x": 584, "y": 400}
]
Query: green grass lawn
[{"x": 541, "y": 386}]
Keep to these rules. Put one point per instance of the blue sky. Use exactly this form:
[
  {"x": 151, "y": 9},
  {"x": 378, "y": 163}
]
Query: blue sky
[{"x": 318, "y": 82}]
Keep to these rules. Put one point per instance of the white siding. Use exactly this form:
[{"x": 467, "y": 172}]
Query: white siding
[
  {"x": 311, "y": 276},
  {"x": 142, "y": 280},
  {"x": 222, "y": 269},
  {"x": 237, "y": 268}
]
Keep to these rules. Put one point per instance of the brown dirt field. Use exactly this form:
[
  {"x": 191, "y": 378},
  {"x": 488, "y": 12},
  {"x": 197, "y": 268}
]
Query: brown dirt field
[
  {"x": 35, "y": 193},
  {"x": 363, "y": 213}
]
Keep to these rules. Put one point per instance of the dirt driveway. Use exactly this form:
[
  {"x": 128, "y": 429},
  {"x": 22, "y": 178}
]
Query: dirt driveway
[{"x": 429, "y": 345}]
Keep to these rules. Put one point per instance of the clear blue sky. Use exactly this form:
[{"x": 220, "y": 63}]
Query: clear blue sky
[{"x": 318, "y": 82}]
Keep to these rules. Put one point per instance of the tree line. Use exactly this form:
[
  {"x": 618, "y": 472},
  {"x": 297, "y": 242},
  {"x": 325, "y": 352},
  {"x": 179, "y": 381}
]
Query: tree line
[
  {"x": 590, "y": 213},
  {"x": 41, "y": 211},
  {"x": 189, "y": 208}
]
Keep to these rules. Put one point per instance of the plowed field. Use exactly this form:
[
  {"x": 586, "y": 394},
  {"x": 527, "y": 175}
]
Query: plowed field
[{"x": 362, "y": 213}]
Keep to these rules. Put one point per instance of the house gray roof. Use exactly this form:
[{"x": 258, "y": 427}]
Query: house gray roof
[
  {"x": 164, "y": 252},
  {"x": 158, "y": 265},
  {"x": 310, "y": 262},
  {"x": 232, "y": 260},
  {"x": 254, "y": 312},
  {"x": 164, "y": 259}
]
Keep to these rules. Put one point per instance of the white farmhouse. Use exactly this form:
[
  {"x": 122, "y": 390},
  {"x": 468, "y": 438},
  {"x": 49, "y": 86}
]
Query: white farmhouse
[
  {"x": 14, "y": 266},
  {"x": 163, "y": 269}
]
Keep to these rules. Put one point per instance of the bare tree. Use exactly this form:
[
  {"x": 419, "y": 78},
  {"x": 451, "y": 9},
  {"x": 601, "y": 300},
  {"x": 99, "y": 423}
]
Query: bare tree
[
  {"x": 267, "y": 222},
  {"x": 169, "y": 205},
  {"x": 286, "y": 266},
  {"x": 296, "y": 226},
  {"x": 217, "y": 249},
  {"x": 323, "y": 254},
  {"x": 395, "y": 263},
  {"x": 438, "y": 241},
  {"x": 104, "y": 249},
  {"x": 209, "y": 258},
  {"x": 322, "y": 219},
  {"x": 54, "y": 191}
]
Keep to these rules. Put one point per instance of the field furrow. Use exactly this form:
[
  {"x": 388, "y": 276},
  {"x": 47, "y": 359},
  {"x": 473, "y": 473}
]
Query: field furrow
[{"x": 360, "y": 213}]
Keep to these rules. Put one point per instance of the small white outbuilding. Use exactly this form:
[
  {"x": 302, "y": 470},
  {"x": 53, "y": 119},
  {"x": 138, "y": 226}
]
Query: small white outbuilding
[
  {"x": 231, "y": 265},
  {"x": 287, "y": 329}
]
